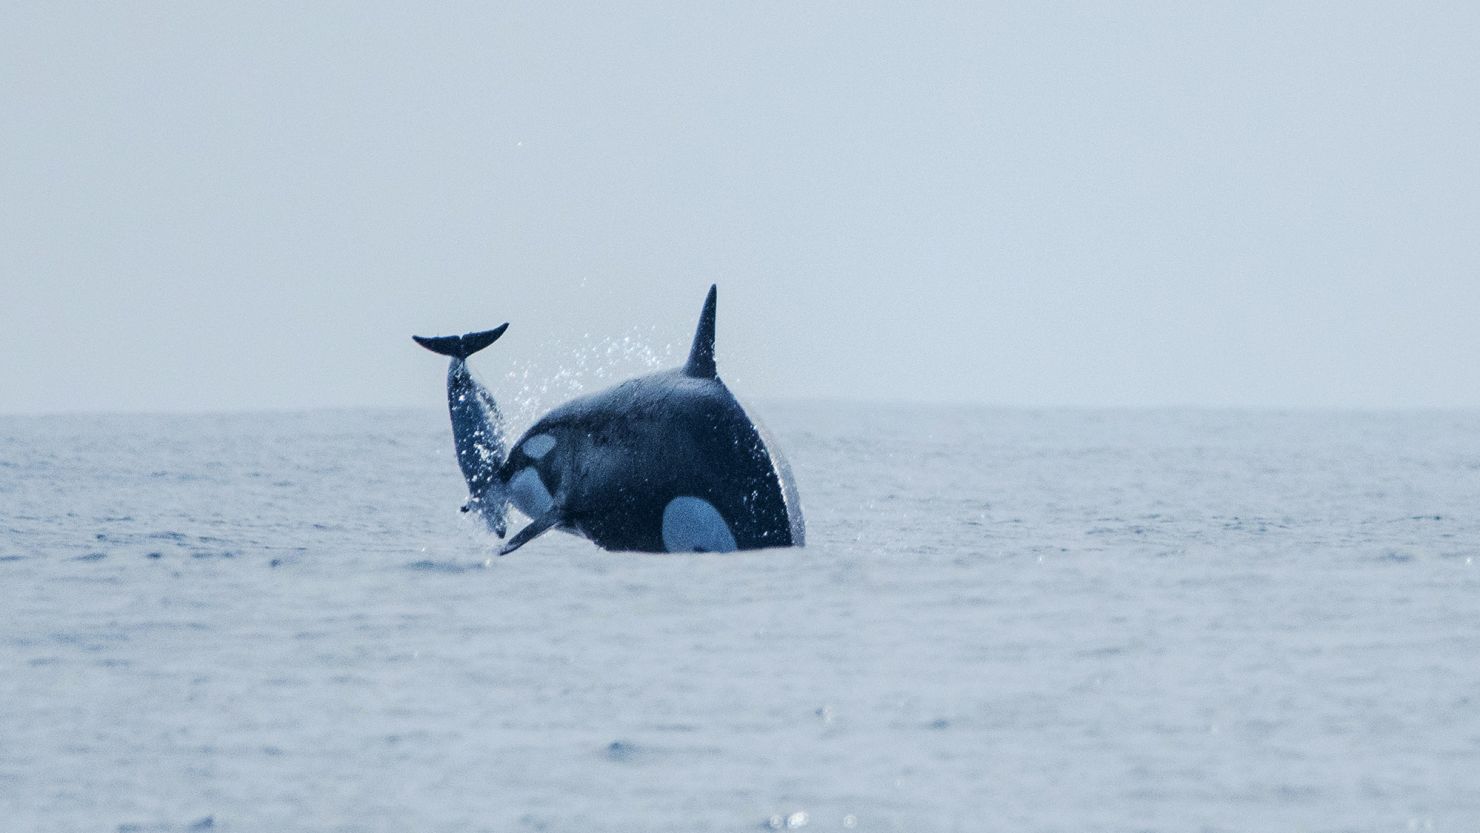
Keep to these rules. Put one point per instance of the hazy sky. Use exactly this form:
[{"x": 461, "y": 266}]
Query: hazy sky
[{"x": 206, "y": 206}]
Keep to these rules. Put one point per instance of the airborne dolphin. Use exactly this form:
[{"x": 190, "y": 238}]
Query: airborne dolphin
[
  {"x": 668, "y": 462},
  {"x": 477, "y": 425}
]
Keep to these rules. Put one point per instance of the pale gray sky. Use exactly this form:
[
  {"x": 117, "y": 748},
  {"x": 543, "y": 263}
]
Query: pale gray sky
[{"x": 212, "y": 206}]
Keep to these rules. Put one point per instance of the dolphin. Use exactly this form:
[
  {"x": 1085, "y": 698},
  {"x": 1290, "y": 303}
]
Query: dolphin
[
  {"x": 667, "y": 462},
  {"x": 477, "y": 426}
]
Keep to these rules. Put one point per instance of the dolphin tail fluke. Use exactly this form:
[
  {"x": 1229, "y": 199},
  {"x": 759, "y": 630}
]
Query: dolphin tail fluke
[
  {"x": 460, "y": 347},
  {"x": 537, "y": 527},
  {"x": 701, "y": 356}
]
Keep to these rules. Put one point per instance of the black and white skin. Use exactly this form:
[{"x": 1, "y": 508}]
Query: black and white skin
[{"x": 668, "y": 462}]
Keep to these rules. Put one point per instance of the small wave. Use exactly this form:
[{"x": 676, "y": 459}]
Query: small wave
[
  {"x": 198, "y": 826},
  {"x": 621, "y": 751},
  {"x": 1396, "y": 557},
  {"x": 429, "y": 566}
]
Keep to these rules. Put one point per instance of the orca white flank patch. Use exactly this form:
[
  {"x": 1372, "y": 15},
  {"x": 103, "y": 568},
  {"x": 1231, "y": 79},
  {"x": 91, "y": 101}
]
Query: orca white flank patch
[
  {"x": 539, "y": 445},
  {"x": 528, "y": 493},
  {"x": 692, "y": 524}
]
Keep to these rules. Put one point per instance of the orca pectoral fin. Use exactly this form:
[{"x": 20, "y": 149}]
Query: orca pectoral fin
[{"x": 537, "y": 527}]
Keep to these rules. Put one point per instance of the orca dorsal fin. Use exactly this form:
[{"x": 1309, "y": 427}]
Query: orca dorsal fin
[{"x": 701, "y": 356}]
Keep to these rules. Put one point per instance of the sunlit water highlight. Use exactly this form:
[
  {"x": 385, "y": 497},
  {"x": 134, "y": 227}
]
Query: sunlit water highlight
[{"x": 1059, "y": 620}]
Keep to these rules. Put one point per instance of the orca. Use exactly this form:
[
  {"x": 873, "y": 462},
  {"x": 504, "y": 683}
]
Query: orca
[{"x": 667, "y": 462}]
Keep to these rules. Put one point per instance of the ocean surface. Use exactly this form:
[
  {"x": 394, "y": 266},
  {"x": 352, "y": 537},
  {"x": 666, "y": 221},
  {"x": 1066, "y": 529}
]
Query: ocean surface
[{"x": 1005, "y": 620}]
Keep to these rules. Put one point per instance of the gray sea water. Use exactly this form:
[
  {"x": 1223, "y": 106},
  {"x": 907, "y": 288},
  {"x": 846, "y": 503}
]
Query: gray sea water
[{"x": 1006, "y": 620}]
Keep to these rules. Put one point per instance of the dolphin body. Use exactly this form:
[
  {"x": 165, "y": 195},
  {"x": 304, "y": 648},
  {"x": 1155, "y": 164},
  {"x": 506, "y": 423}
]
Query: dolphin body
[{"x": 668, "y": 462}]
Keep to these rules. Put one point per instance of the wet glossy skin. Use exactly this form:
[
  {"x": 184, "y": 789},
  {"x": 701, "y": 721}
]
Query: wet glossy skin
[
  {"x": 621, "y": 456},
  {"x": 665, "y": 462}
]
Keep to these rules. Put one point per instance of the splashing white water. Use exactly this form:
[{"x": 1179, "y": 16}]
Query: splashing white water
[{"x": 582, "y": 366}]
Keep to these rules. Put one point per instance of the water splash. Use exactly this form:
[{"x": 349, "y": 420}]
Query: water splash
[{"x": 579, "y": 366}]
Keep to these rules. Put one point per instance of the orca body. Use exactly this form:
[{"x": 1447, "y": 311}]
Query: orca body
[{"x": 668, "y": 462}]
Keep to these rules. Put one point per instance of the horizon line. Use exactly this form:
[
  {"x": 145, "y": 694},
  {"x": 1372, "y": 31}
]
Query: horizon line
[{"x": 784, "y": 401}]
